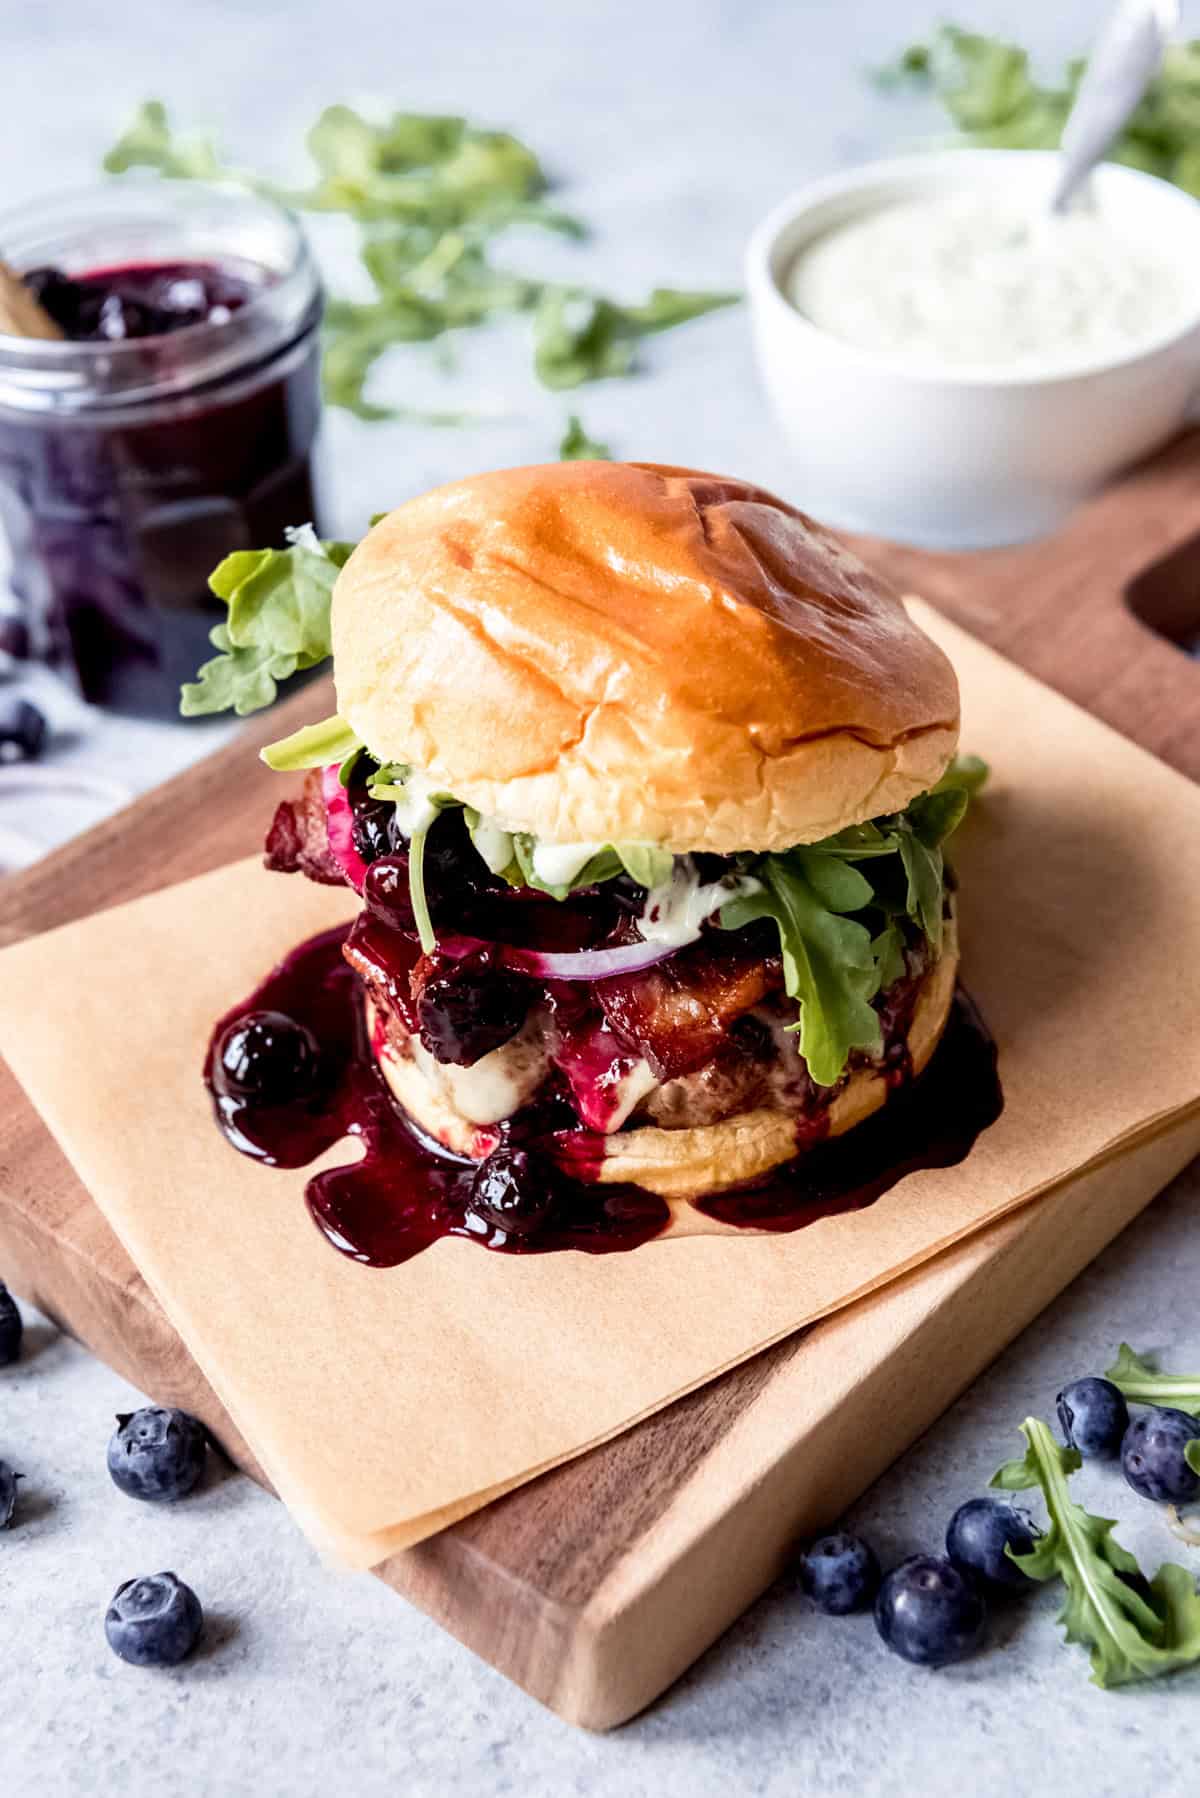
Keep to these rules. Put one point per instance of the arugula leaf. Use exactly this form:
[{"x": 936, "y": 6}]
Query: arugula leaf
[
  {"x": 969, "y": 773},
  {"x": 888, "y": 950},
  {"x": 577, "y": 446},
  {"x": 649, "y": 866},
  {"x": 991, "y": 95},
  {"x": 148, "y": 142},
  {"x": 1140, "y": 1380},
  {"x": 1130, "y": 1638},
  {"x": 922, "y": 830},
  {"x": 828, "y": 964},
  {"x": 277, "y": 626},
  {"x": 580, "y": 336},
  {"x": 312, "y": 746}
]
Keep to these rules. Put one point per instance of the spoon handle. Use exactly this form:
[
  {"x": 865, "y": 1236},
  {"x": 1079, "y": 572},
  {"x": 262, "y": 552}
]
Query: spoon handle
[{"x": 1124, "y": 61}]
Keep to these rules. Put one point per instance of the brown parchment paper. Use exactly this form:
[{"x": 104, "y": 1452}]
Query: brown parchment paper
[{"x": 383, "y": 1405}]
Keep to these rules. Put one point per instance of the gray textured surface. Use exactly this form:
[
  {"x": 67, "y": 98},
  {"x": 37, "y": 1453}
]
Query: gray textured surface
[{"x": 673, "y": 126}]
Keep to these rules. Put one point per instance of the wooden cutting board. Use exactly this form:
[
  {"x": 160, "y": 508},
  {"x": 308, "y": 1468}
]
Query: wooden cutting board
[{"x": 595, "y": 1586}]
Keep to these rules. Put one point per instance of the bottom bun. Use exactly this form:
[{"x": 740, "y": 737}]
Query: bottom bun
[{"x": 701, "y": 1159}]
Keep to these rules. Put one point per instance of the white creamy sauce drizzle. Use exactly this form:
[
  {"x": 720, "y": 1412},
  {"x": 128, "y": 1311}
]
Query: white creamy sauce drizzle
[
  {"x": 499, "y": 1083},
  {"x": 558, "y": 864},
  {"x": 415, "y": 810},
  {"x": 493, "y": 844},
  {"x": 966, "y": 278},
  {"x": 674, "y": 912}
]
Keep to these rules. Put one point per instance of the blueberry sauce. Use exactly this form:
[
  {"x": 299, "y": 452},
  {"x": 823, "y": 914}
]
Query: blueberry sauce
[
  {"x": 406, "y": 1193},
  {"x": 113, "y": 305},
  {"x": 190, "y": 434}
]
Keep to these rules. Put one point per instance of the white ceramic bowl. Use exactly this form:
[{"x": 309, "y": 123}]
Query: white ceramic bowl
[{"x": 951, "y": 458}]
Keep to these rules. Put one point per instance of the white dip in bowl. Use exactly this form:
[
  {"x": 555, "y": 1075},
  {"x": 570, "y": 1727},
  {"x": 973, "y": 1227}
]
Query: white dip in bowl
[{"x": 955, "y": 365}]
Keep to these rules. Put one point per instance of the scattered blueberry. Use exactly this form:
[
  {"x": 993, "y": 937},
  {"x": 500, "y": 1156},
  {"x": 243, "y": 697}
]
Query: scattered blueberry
[
  {"x": 1094, "y": 1418},
  {"x": 153, "y": 1622},
  {"x": 513, "y": 1190},
  {"x": 268, "y": 1058},
  {"x": 930, "y": 1612},
  {"x": 157, "y": 1455},
  {"x": 840, "y": 1573},
  {"x": 8, "y": 1494},
  {"x": 22, "y": 731},
  {"x": 11, "y": 1327},
  {"x": 1152, "y": 1457},
  {"x": 978, "y": 1535}
]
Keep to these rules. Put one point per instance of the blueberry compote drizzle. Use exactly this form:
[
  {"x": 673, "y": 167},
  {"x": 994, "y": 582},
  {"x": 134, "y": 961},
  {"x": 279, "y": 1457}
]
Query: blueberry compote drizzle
[
  {"x": 932, "y": 1121},
  {"x": 405, "y": 1193}
]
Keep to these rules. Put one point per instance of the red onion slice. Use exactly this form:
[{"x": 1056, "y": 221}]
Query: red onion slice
[
  {"x": 339, "y": 823},
  {"x": 579, "y": 964}
]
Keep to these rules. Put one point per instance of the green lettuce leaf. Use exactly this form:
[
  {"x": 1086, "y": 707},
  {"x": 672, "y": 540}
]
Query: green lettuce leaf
[
  {"x": 313, "y": 746},
  {"x": 277, "y": 626},
  {"x": 1131, "y": 1638},
  {"x": 828, "y": 963},
  {"x": 1139, "y": 1379},
  {"x": 577, "y": 446}
]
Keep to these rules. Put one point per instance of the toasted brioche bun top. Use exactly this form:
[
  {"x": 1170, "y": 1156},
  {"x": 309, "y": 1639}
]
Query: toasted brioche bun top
[{"x": 618, "y": 652}]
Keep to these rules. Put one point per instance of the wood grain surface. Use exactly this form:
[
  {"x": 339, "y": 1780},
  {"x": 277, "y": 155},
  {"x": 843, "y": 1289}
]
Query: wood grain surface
[{"x": 596, "y": 1585}]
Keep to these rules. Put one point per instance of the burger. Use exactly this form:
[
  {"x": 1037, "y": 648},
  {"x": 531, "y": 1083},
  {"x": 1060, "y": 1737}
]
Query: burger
[{"x": 644, "y": 781}]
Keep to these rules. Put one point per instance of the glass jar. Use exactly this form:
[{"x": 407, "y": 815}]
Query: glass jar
[{"x": 129, "y": 469}]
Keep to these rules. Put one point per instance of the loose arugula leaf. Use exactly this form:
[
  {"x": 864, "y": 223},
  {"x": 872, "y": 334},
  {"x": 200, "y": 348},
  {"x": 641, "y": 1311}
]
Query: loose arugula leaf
[
  {"x": 278, "y": 625},
  {"x": 1130, "y": 1638},
  {"x": 1140, "y": 1380},
  {"x": 993, "y": 98},
  {"x": 431, "y": 192},
  {"x": 828, "y": 965},
  {"x": 313, "y": 746},
  {"x": 580, "y": 336},
  {"x": 149, "y": 143},
  {"x": 577, "y": 446}
]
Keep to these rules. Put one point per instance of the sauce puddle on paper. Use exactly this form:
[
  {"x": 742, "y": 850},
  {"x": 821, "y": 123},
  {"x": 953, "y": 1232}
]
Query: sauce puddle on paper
[{"x": 404, "y": 1195}]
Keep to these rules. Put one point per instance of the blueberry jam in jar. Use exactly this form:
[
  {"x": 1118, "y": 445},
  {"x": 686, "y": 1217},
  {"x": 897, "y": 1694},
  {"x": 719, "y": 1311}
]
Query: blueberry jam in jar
[{"x": 173, "y": 422}]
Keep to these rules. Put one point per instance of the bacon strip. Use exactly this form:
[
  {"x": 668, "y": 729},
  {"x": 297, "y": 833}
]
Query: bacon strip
[
  {"x": 298, "y": 841},
  {"x": 678, "y": 1014}
]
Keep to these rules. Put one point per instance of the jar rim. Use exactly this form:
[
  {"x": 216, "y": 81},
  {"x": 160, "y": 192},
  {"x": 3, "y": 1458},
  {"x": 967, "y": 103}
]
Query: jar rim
[{"x": 65, "y": 374}]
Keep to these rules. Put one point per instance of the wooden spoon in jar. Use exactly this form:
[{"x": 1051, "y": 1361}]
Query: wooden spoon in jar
[{"x": 20, "y": 313}]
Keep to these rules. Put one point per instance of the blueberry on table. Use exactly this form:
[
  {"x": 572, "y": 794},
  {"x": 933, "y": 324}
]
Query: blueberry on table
[
  {"x": 266, "y": 1058},
  {"x": 8, "y": 1494},
  {"x": 11, "y": 1327},
  {"x": 157, "y": 1455},
  {"x": 930, "y": 1612},
  {"x": 979, "y": 1533},
  {"x": 154, "y": 1621},
  {"x": 840, "y": 1573},
  {"x": 513, "y": 1190},
  {"x": 22, "y": 731},
  {"x": 1094, "y": 1418},
  {"x": 1152, "y": 1455}
]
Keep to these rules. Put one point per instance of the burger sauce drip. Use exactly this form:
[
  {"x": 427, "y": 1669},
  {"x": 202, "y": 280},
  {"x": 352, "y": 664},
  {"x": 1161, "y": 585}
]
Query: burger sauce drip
[{"x": 403, "y": 1194}]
